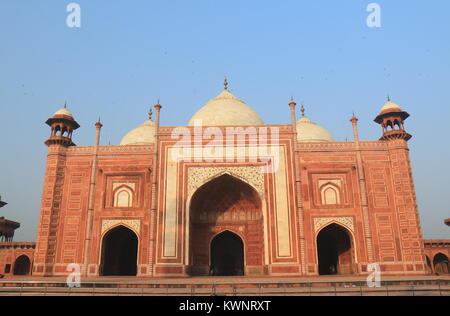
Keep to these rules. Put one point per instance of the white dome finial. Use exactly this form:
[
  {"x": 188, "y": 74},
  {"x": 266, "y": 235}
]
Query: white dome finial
[
  {"x": 302, "y": 109},
  {"x": 150, "y": 113}
]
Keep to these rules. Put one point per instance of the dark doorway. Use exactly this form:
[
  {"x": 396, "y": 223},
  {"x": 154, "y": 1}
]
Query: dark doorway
[
  {"x": 227, "y": 255},
  {"x": 334, "y": 251},
  {"x": 119, "y": 252},
  {"x": 441, "y": 264},
  {"x": 22, "y": 266}
]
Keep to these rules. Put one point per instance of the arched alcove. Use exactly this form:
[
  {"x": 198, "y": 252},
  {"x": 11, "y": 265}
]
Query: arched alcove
[
  {"x": 123, "y": 197},
  {"x": 330, "y": 194}
]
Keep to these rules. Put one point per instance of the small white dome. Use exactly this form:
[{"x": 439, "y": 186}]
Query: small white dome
[
  {"x": 308, "y": 131},
  {"x": 142, "y": 135},
  {"x": 390, "y": 106},
  {"x": 226, "y": 110},
  {"x": 63, "y": 111}
]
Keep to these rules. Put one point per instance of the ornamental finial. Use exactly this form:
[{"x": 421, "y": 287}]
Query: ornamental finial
[
  {"x": 302, "y": 109},
  {"x": 150, "y": 113},
  {"x": 225, "y": 83}
]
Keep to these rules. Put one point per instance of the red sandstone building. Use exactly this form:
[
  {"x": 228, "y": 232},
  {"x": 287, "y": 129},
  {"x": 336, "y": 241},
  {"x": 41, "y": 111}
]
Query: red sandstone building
[
  {"x": 274, "y": 200},
  {"x": 15, "y": 258},
  {"x": 437, "y": 255},
  {"x": 2, "y": 203},
  {"x": 7, "y": 229}
]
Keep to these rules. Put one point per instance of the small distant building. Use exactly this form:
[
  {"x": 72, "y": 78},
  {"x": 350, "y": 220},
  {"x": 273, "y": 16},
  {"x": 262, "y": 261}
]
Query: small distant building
[
  {"x": 7, "y": 229},
  {"x": 16, "y": 258},
  {"x": 2, "y": 203},
  {"x": 438, "y": 256}
]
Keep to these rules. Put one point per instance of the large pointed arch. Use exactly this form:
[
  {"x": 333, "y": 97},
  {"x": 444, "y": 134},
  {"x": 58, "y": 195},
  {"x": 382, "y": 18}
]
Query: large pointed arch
[{"x": 225, "y": 203}]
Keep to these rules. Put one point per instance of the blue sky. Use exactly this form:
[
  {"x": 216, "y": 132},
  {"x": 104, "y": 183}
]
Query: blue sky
[{"x": 127, "y": 54}]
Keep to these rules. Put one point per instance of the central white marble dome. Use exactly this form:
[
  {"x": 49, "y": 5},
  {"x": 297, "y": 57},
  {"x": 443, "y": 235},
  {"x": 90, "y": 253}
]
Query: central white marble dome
[{"x": 226, "y": 110}]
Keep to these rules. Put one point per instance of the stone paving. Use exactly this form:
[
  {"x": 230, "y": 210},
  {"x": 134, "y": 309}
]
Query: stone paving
[
  {"x": 211, "y": 280},
  {"x": 228, "y": 286}
]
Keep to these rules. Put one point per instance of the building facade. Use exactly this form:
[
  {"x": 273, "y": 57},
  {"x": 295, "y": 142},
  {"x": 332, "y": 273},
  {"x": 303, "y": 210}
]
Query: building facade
[
  {"x": 437, "y": 255},
  {"x": 229, "y": 195},
  {"x": 15, "y": 258}
]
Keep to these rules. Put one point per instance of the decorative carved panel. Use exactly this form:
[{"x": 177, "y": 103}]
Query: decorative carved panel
[
  {"x": 321, "y": 222},
  {"x": 134, "y": 224},
  {"x": 252, "y": 175}
]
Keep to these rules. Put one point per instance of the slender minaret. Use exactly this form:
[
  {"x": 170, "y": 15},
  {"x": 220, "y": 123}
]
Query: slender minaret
[
  {"x": 292, "y": 106},
  {"x": 354, "y": 121},
  {"x": 154, "y": 203},
  {"x": 298, "y": 186},
  {"x": 91, "y": 201},
  {"x": 363, "y": 190}
]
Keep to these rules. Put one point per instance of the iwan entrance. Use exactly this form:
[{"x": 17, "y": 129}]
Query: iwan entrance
[{"x": 226, "y": 229}]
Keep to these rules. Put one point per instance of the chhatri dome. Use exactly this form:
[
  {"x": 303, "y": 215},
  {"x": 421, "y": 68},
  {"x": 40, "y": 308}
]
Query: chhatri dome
[
  {"x": 309, "y": 131},
  {"x": 390, "y": 107},
  {"x": 226, "y": 110},
  {"x": 63, "y": 112},
  {"x": 142, "y": 135}
]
